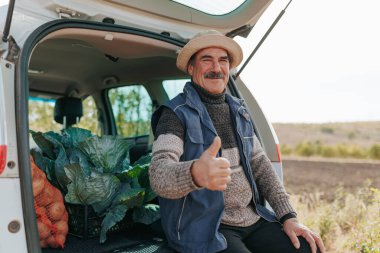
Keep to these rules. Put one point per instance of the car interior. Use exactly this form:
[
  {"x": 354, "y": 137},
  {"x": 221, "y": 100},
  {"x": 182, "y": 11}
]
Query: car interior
[
  {"x": 73, "y": 64},
  {"x": 78, "y": 63}
]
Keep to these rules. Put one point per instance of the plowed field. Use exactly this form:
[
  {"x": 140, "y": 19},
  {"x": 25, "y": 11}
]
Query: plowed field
[{"x": 304, "y": 176}]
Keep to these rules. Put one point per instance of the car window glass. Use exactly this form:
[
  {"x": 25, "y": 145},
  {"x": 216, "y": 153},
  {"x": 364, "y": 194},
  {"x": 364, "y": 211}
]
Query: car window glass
[
  {"x": 132, "y": 110},
  {"x": 41, "y": 115},
  {"x": 89, "y": 120},
  {"x": 174, "y": 87}
]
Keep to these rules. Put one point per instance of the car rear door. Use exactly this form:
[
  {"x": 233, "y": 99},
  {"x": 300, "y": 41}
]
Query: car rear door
[
  {"x": 179, "y": 18},
  {"x": 12, "y": 232}
]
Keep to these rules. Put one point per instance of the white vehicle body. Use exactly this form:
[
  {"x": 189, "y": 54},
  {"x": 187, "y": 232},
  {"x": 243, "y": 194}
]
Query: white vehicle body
[{"x": 34, "y": 24}]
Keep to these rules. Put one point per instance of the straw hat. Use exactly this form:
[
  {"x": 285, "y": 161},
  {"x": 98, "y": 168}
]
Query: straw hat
[{"x": 205, "y": 39}]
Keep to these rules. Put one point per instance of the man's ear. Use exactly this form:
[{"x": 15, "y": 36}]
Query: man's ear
[{"x": 190, "y": 69}]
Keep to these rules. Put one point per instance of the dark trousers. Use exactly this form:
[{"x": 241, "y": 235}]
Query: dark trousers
[{"x": 261, "y": 237}]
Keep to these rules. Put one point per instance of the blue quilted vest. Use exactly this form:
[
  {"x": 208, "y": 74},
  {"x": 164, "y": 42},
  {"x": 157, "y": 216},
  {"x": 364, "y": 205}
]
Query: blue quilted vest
[{"x": 191, "y": 223}]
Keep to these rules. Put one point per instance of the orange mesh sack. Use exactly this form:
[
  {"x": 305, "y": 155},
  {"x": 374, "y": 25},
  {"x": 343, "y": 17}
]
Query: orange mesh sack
[{"x": 52, "y": 217}]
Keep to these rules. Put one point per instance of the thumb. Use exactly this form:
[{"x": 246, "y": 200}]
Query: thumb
[{"x": 214, "y": 147}]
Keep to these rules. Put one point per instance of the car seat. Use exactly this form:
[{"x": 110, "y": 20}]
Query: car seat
[{"x": 68, "y": 111}]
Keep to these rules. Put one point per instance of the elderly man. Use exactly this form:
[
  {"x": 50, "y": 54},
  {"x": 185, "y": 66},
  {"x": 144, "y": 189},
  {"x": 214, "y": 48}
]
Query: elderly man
[{"x": 208, "y": 166}]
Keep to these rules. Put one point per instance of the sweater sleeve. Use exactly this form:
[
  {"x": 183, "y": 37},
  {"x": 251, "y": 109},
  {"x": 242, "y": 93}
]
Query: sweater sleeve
[
  {"x": 169, "y": 177},
  {"x": 269, "y": 183}
]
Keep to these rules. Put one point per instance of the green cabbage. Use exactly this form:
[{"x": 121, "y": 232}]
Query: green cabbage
[{"x": 96, "y": 171}]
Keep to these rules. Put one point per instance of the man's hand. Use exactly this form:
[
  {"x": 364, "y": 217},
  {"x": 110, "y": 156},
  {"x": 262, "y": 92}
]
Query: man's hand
[
  {"x": 211, "y": 172},
  {"x": 293, "y": 229}
]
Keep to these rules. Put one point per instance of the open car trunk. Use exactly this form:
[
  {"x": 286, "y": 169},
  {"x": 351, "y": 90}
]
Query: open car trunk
[
  {"x": 140, "y": 240},
  {"x": 81, "y": 59},
  {"x": 83, "y": 54}
]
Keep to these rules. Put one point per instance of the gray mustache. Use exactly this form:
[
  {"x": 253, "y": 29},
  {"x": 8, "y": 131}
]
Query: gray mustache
[{"x": 214, "y": 75}]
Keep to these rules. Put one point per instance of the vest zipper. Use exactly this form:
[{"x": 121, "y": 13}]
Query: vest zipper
[
  {"x": 250, "y": 173},
  {"x": 245, "y": 160},
  {"x": 179, "y": 219},
  {"x": 247, "y": 166}
]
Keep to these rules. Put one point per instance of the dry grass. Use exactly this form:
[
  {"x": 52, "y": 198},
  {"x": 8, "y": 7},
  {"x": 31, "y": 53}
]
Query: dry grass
[
  {"x": 338, "y": 200},
  {"x": 349, "y": 223}
]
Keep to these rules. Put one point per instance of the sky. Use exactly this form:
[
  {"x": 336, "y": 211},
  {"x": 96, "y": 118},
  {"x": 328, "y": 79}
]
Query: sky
[{"x": 321, "y": 63}]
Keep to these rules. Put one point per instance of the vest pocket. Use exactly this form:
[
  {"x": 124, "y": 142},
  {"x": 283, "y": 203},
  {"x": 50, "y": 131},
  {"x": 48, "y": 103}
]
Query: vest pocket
[
  {"x": 195, "y": 135},
  {"x": 200, "y": 216}
]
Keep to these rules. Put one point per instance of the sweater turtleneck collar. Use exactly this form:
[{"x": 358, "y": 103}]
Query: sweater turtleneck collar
[{"x": 208, "y": 97}]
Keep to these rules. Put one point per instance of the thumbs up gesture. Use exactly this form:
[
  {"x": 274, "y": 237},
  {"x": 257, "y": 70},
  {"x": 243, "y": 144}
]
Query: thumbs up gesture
[{"x": 212, "y": 172}]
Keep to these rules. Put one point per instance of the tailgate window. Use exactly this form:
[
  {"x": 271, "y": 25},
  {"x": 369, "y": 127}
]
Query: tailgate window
[{"x": 214, "y": 7}]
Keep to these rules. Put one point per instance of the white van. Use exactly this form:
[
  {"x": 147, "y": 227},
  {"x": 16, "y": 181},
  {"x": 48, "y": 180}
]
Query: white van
[{"x": 95, "y": 50}]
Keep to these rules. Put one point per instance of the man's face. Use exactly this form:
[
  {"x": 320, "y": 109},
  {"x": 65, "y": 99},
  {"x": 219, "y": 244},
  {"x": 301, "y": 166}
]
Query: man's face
[{"x": 210, "y": 69}]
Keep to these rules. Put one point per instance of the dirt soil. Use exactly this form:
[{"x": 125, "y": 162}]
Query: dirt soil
[{"x": 306, "y": 176}]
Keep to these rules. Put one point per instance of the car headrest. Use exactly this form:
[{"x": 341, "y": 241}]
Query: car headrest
[{"x": 69, "y": 108}]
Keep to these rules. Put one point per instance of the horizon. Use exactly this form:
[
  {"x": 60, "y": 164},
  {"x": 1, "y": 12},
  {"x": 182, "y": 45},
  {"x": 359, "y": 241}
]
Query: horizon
[{"x": 326, "y": 123}]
